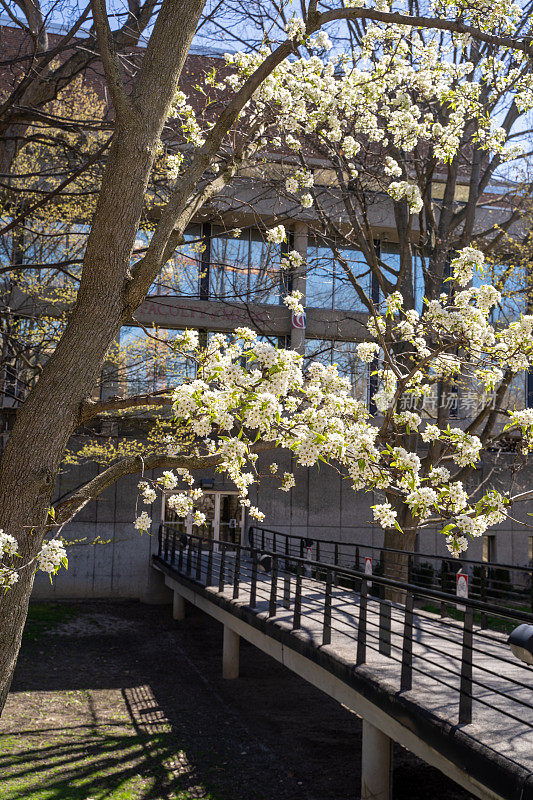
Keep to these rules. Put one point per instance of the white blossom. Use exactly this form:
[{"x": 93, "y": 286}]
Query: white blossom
[
  {"x": 142, "y": 522},
  {"x": 288, "y": 482},
  {"x": 292, "y": 301},
  {"x": 8, "y": 544},
  {"x": 276, "y": 235},
  {"x": 52, "y": 556},
  {"x": 367, "y": 351},
  {"x": 385, "y": 515}
]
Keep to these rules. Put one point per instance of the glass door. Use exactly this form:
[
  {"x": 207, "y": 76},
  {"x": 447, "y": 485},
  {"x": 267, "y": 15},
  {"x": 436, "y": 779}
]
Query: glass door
[
  {"x": 207, "y": 504},
  {"x": 230, "y": 519},
  {"x": 224, "y": 518}
]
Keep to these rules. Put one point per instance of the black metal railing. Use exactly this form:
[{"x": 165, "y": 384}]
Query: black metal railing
[
  {"x": 440, "y": 659},
  {"x": 491, "y": 582}
]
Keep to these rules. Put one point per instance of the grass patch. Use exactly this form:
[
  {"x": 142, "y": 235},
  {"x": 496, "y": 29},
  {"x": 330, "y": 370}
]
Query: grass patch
[
  {"x": 45, "y": 617},
  {"x": 80, "y": 764}
]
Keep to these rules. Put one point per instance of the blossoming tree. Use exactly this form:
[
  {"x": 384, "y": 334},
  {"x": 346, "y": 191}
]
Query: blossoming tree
[
  {"x": 247, "y": 390},
  {"x": 314, "y": 416}
]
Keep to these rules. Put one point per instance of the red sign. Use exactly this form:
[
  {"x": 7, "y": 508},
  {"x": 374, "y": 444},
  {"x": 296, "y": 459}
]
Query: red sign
[
  {"x": 368, "y": 569},
  {"x": 298, "y": 320},
  {"x": 461, "y": 581}
]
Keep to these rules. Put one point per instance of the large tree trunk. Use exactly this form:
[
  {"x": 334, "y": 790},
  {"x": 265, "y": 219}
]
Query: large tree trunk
[
  {"x": 51, "y": 413},
  {"x": 396, "y": 564}
]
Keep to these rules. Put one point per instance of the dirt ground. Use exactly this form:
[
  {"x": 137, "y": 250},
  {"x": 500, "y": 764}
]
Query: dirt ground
[{"x": 116, "y": 701}]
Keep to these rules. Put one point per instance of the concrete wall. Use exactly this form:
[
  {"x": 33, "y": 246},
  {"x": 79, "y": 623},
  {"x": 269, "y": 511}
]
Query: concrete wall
[{"x": 320, "y": 506}]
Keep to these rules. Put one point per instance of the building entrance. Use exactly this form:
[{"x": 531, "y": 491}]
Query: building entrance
[{"x": 224, "y": 518}]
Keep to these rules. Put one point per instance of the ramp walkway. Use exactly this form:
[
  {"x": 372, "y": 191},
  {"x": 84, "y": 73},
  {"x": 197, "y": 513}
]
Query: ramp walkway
[{"x": 447, "y": 689}]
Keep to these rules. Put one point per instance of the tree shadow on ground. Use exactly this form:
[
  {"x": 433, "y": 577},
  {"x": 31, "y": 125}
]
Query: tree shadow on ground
[{"x": 119, "y": 702}]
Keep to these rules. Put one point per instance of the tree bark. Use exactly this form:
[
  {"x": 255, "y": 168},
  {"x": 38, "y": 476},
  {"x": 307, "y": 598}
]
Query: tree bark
[
  {"x": 396, "y": 564},
  {"x": 51, "y": 412}
]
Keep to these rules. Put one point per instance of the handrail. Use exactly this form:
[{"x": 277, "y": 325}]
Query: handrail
[
  {"x": 477, "y": 605},
  {"x": 418, "y": 553},
  {"x": 309, "y": 588}
]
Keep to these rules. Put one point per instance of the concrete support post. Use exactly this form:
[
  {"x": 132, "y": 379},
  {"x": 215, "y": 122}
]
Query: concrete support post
[
  {"x": 178, "y": 606},
  {"x": 376, "y": 764},
  {"x": 298, "y": 282},
  {"x": 230, "y": 654}
]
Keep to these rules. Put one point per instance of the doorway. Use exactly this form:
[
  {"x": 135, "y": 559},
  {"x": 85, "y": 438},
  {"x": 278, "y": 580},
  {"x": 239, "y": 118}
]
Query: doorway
[{"x": 224, "y": 518}]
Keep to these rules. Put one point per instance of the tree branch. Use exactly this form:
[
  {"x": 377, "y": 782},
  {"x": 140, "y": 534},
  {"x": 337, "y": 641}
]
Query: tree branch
[
  {"x": 67, "y": 509},
  {"x": 91, "y": 408},
  {"x": 415, "y": 21},
  {"x": 106, "y": 46}
]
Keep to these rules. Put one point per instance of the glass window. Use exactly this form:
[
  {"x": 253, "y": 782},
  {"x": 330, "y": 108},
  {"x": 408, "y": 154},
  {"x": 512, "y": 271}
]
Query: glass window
[
  {"x": 320, "y": 350},
  {"x": 181, "y": 274},
  {"x": 351, "y": 366},
  {"x": 512, "y": 282},
  {"x": 147, "y": 361},
  {"x": 345, "y": 295},
  {"x": 320, "y": 272},
  {"x": 264, "y": 270},
  {"x": 390, "y": 258},
  {"x": 228, "y": 272},
  {"x": 389, "y": 254}
]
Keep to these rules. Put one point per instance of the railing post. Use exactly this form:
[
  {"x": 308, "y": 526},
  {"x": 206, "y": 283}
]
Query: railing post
[
  {"x": 297, "y": 614},
  {"x": 301, "y": 548},
  {"x": 409, "y": 569},
  {"x": 274, "y": 548},
  {"x": 286, "y": 587},
  {"x": 465, "y": 696},
  {"x": 222, "y": 565},
  {"x": 483, "y": 595},
  {"x": 443, "y": 587},
  {"x": 173, "y": 549},
  {"x": 199, "y": 560},
  {"x": 385, "y": 614},
  {"x": 160, "y": 541},
  {"x": 406, "y": 681},
  {"x": 273, "y": 587},
  {"x": 180, "y": 556},
  {"x": 253, "y": 582},
  {"x": 336, "y": 562},
  {"x": 209, "y": 573},
  {"x": 166, "y": 545},
  {"x": 189, "y": 554},
  {"x": 318, "y": 551},
  {"x": 237, "y": 574},
  {"x": 262, "y": 538},
  {"x": 361, "y": 628},
  {"x": 326, "y": 631}
]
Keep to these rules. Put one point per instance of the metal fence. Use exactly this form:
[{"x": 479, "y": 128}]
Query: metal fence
[
  {"x": 490, "y": 582},
  {"x": 377, "y": 620}
]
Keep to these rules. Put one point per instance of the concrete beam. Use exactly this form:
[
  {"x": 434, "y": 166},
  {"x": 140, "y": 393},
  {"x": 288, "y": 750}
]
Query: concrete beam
[
  {"x": 376, "y": 764},
  {"x": 230, "y": 654}
]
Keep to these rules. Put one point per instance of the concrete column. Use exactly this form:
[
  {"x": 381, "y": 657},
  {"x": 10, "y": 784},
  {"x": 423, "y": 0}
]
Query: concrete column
[
  {"x": 298, "y": 282},
  {"x": 178, "y": 606},
  {"x": 154, "y": 591},
  {"x": 230, "y": 654},
  {"x": 376, "y": 764}
]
